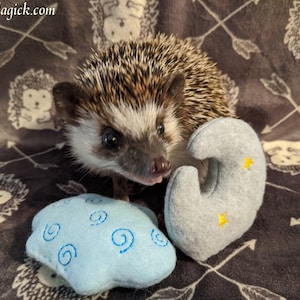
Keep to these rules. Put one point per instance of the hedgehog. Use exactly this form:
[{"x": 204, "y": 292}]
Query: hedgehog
[{"x": 131, "y": 110}]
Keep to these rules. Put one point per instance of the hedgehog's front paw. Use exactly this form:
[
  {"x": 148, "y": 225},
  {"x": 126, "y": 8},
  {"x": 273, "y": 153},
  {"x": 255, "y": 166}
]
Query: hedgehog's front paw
[{"x": 120, "y": 188}]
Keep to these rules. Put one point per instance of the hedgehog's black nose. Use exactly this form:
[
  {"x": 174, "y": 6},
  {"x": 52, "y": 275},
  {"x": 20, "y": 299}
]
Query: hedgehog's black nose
[{"x": 160, "y": 165}]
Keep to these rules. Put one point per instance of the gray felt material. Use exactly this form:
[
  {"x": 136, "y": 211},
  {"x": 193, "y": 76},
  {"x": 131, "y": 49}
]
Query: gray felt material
[{"x": 201, "y": 222}]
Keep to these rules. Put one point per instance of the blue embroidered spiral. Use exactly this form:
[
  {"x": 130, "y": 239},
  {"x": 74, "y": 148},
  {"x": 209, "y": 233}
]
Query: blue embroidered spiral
[
  {"x": 92, "y": 200},
  {"x": 98, "y": 217},
  {"x": 51, "y": 232},
  {"x": 124, "y": 238},
  {"x": 66, "y": 253},
  {"x": 159, "y": 241}
]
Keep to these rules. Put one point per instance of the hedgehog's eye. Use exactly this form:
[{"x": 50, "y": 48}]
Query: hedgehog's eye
[
  {"x": 160, "y": 129},
  {"x": 111, "y": 139}
]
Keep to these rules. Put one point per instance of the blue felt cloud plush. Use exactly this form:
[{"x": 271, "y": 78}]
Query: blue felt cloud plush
[{"x": 97, "y": 243}]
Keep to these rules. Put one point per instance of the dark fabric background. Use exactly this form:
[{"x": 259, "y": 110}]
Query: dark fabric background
[{"x": 255, "y": 43}]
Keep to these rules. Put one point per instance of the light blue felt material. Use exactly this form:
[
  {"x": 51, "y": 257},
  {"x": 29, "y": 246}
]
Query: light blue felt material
[
  {"x": 97, "y": 243},
  {"x": 203, "y": 221}
]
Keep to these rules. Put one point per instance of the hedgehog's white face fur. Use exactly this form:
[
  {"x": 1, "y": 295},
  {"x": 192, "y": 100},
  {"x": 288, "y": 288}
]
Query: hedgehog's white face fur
[
  {"x": 134, "y": 147},
  {"x": 141, "y": 143}
]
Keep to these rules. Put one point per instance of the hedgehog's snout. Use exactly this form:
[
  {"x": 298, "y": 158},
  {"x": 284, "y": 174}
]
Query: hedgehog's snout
[{"x": 160, "y": 166}]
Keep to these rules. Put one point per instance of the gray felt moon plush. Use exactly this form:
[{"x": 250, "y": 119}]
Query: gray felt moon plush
[{"x": 203, "y": 221}]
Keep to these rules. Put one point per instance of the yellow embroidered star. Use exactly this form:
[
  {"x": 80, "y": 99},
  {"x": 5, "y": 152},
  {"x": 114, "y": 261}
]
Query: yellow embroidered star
[
  {"x": 248, "y": 162},
  {"x": 222, "y": 220}
]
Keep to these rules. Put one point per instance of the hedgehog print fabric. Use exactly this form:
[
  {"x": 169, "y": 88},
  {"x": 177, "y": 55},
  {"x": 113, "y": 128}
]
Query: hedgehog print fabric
[{"x": 31, "y": 104}]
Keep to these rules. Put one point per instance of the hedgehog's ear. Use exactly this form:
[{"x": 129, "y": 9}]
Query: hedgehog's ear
[
  {"x": 173, "y": 86},
  {"x": 67, "y": 97}
]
